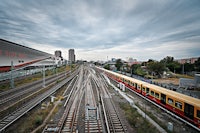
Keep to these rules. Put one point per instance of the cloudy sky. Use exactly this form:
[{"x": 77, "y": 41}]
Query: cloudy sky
[{"x": 98, "y": 29}]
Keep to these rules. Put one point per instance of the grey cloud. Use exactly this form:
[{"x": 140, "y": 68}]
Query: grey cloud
[{"x": 100, "y": 24}]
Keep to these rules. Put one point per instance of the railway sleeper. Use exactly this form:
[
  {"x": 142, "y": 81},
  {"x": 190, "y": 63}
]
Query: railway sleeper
[{"x": 118, "y": 130}]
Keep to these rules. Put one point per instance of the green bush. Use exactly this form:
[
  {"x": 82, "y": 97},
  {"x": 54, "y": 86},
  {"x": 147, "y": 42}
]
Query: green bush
[{"x": 38, "y": 120}]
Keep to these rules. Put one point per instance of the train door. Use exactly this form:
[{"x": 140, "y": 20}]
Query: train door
[
  {"x": 189, "y": 111},
  {"x": 163, "y": 98},
  {"x": 136, "y": 86},
  {"x": 141, "y": 88},
  {"x": 147, "y": 90}
]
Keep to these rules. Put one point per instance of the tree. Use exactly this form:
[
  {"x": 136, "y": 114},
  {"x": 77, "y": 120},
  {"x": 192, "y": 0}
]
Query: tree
[
  {"x": 127, "y": 68},
  {"x": 107, "y": 66},
  {"x": 137, "y": 70},
  {"x": 150, "y": 60},
  {"x": 156, "y": 67},
  {"x": 118, "y": 64},
  {"x": 174, "y": 66},
  {"x": 167, "y": 60},
  {"x": 197, "y": 65},
  {"x": 97, "y": 63},
  {"x": 188, "y": 67},
  {"x": 134, "y": 68}
]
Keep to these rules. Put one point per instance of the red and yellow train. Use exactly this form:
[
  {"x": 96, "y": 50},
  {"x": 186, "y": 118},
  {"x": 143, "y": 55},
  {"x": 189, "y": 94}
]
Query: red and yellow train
[{"x": 185, "y": 106}]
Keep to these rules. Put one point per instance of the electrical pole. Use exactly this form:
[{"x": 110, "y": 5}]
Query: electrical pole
[
  {"x": 44, "y": 76},
  {"x": 11, "y": 75}
]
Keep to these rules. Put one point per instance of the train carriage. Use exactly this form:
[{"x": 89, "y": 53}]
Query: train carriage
[{"x": 185, "y": 106}]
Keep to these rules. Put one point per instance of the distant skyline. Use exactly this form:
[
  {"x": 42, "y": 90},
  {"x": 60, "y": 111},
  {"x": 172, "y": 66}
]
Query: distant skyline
[{"x": 98, "y": 29}]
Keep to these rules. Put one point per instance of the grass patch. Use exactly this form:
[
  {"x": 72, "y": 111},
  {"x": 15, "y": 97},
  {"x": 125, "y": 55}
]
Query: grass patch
[
  {"x": 34, "y": 120},
  {"x": 38, "y": 120},
  {"x": 183, "y": 76},
  {"x": 4, "y": 87},
  {"x": 140, "y": 124},
  {"x": 152, "y": 116}
]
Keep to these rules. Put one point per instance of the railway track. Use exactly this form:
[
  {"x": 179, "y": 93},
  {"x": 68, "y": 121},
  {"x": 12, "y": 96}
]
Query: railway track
[
  {"x": 9, "y": 94},
  {"x": 11, "y": 97},
  {"x": 93, "y": 123},
  {"x": 114, "y": 123},
  {"x": 68, "y": 122},
  {"x": 71, "y": 116},
  {"x": 18, "y": 98},
  {"x": 83, "y": 111},
  {"x": 12, "y": 117},
  {"x": 23, "y": 87}
]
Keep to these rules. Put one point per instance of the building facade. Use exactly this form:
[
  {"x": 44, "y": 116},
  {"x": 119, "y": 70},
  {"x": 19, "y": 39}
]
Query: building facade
[
  {"x": 72, "y": 56},
  {"x": 187, "y": 60}
]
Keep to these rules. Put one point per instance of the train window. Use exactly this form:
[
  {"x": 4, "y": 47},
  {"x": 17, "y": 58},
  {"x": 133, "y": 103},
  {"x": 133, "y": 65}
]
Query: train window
[
  {"x": 133, "y": 84},
  {"x": 127, "y": 81},
  {"x": 147, "y": 90},
  {"x": 152, "y": 93},
  {"x": 156, "y": 95},
  {"x": 170, "y": 101},
  {"x": 138, "y": 87},
  {"x": 143, "y": 89},
  {"x": 198, "y": 113},
  {"x": 178, "y": 105}
]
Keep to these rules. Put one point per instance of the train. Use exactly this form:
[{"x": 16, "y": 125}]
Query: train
[{"x": 182, "y": 105}]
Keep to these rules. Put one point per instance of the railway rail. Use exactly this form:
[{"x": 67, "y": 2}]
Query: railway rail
[
  {"x": 15, "y": 100},
  {"x": 93, "y": 123},
  {"x": 21, "y": 88},
  {"x": 10, "y": 97},
  {"x": 68, "y": 122},
  {"x": 12, "y": 117},
  {"x": 83, "y": 110},
  {"x": 11, "y": 92},
  {"x": 114, "y": 122}
]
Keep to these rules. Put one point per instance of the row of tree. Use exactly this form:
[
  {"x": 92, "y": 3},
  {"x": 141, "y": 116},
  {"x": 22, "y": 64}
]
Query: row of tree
[{"x": 156, "y": 68}]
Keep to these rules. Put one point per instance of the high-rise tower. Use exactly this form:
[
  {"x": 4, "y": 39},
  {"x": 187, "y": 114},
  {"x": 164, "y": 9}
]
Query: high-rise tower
[{"x": 71, "y": 56}]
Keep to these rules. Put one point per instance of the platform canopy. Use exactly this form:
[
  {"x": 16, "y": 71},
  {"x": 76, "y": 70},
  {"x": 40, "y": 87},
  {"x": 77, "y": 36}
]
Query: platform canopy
[{"x": 18, "y": 54}]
